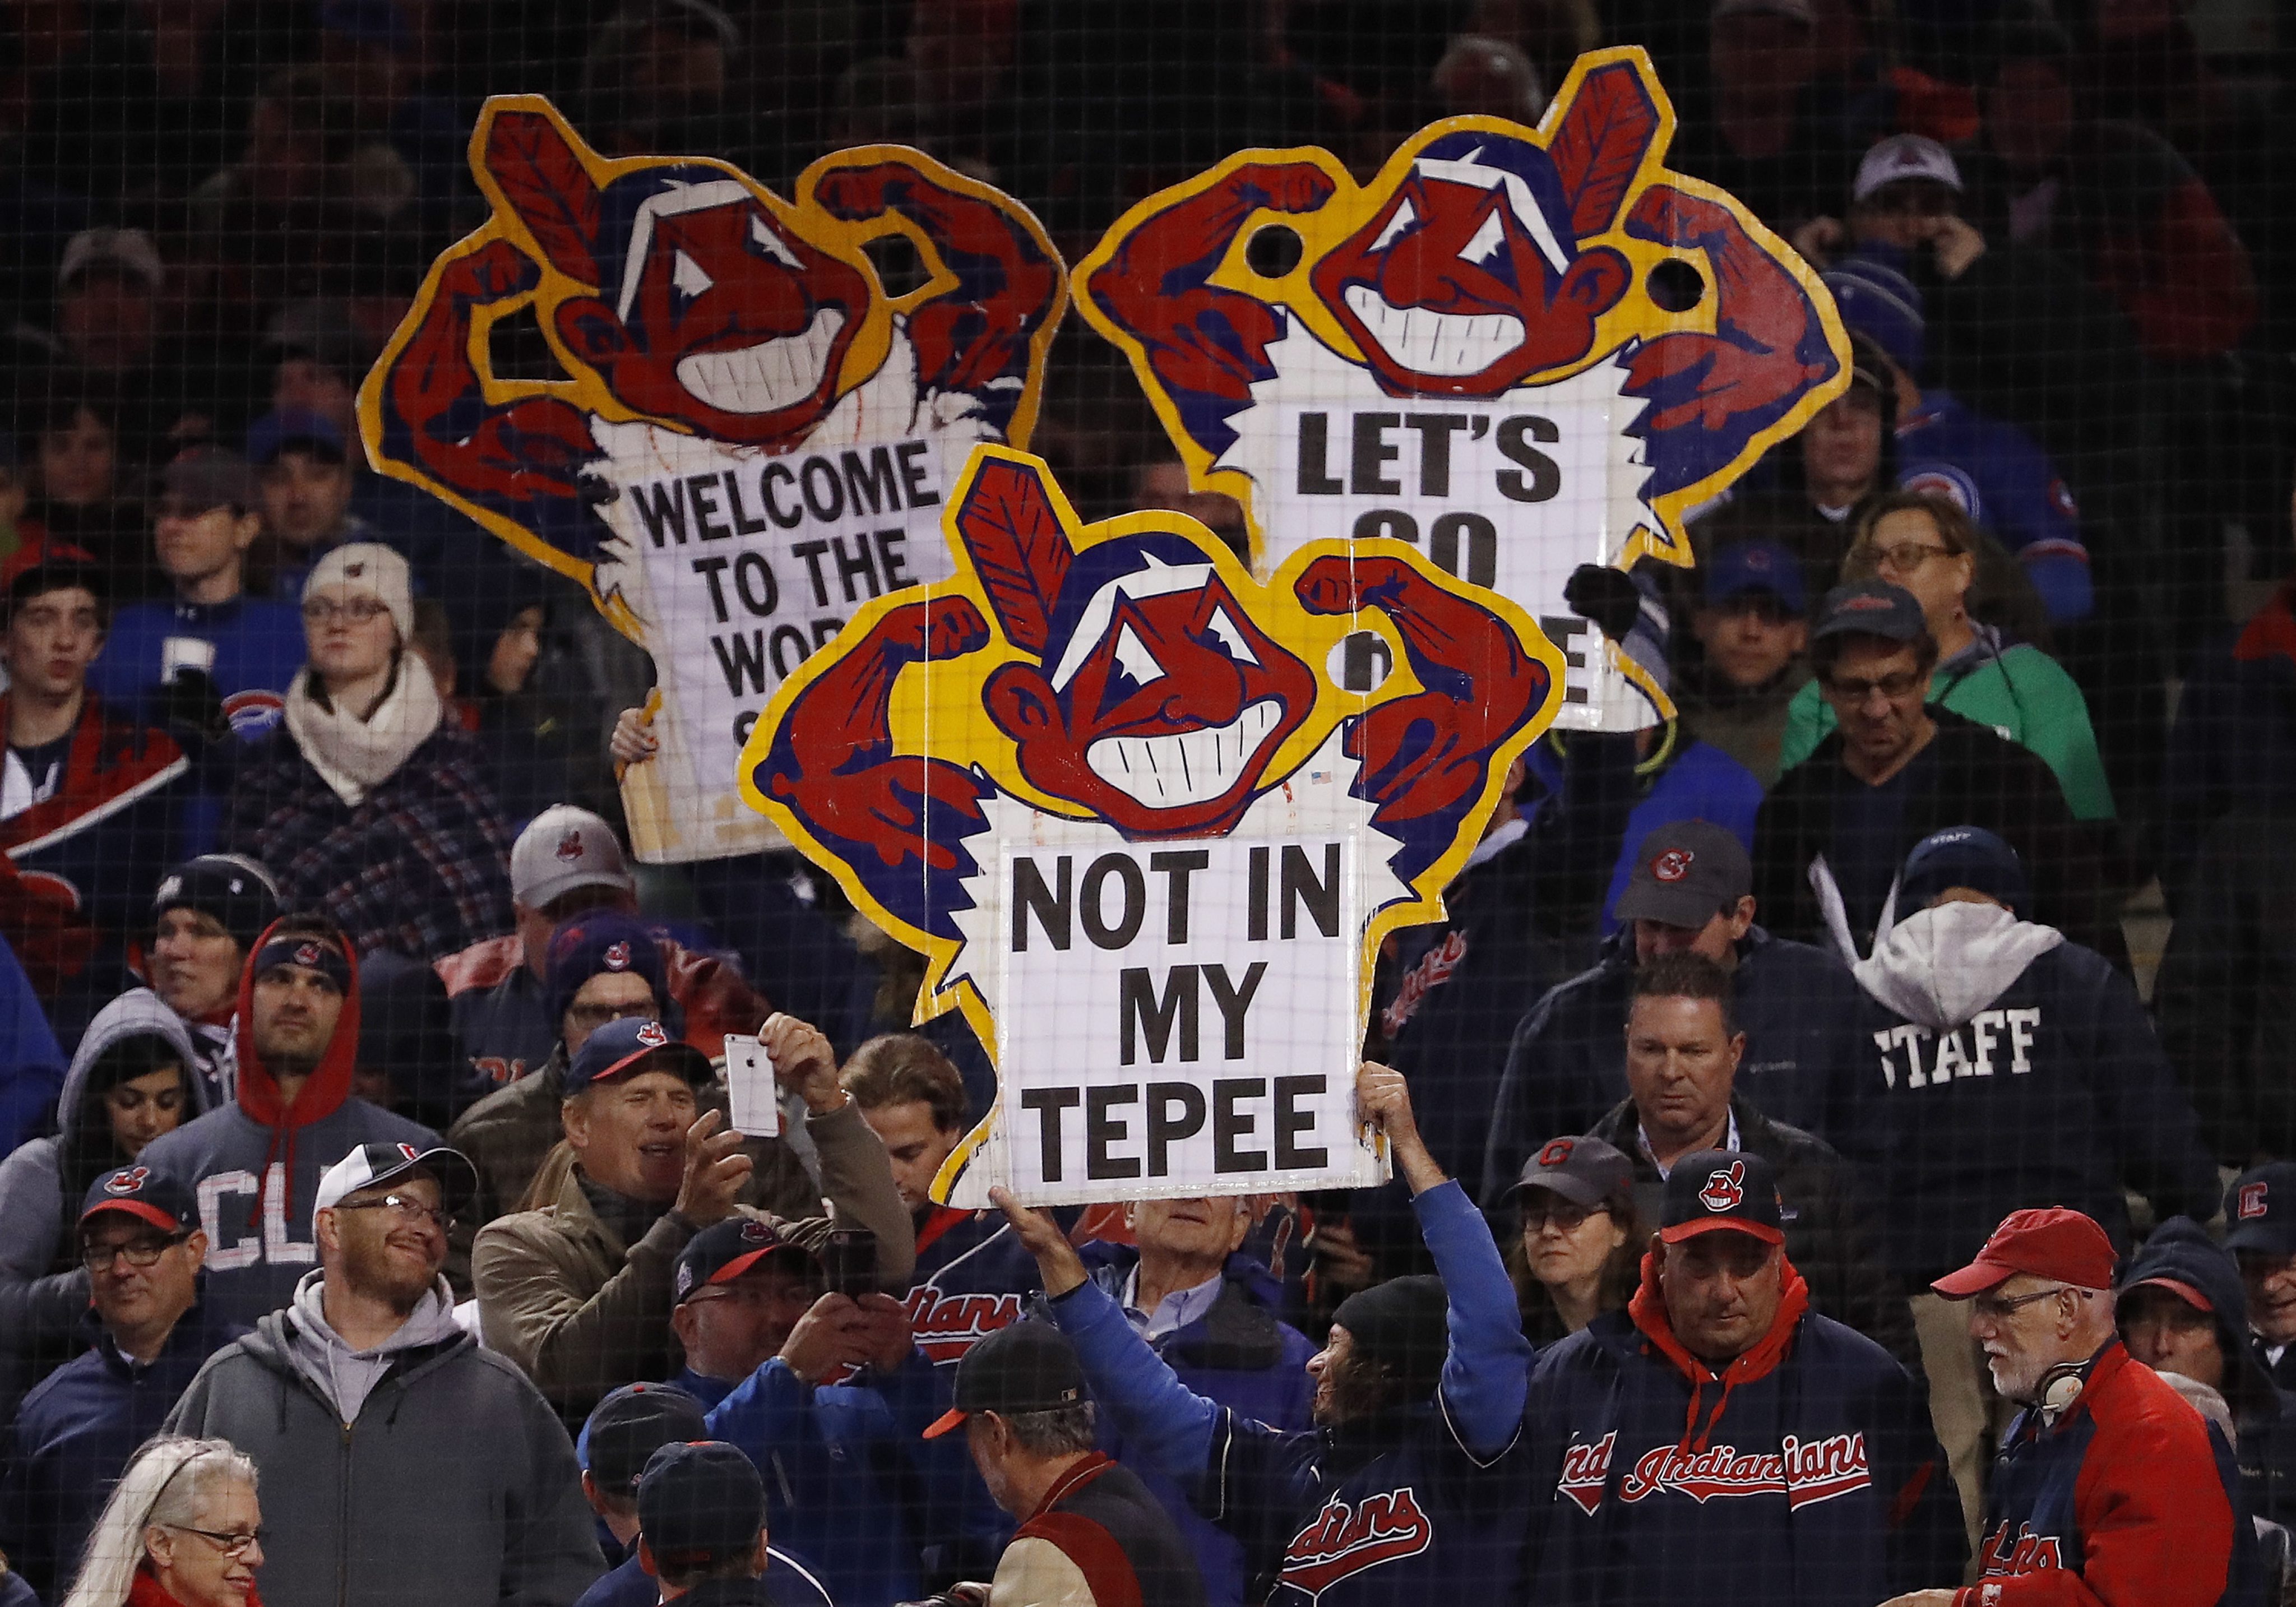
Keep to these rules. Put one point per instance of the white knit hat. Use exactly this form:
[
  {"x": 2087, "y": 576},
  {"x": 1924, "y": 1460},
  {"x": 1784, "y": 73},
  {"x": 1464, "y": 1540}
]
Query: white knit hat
[{"x": 370, "y": 566}]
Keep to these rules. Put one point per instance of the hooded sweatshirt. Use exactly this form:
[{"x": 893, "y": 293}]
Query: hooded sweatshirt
[
  {"x": 347, "y": 1376},
  {"x": 1803, "y": 1471},
  {"x": 37, "y": 1212},
  {"x": 2019, "y": 1070},
  {"x": 255, "y": 1163}
]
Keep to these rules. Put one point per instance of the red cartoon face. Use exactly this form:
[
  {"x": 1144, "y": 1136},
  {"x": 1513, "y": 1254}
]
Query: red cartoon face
[
  {"x": 1724, "y": 1188},
  {"x": 1450, "y": 271},
  {"x": 1162, "y": 709},
  {"x": 723, "y": 319}
]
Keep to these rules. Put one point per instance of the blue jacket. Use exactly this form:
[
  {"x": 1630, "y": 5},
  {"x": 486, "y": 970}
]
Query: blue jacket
[
  {"x": 75, "y": 1434},
  {"x": 1238, "y": 1354},
  {"x": 2002, "y": 481},
  {"x": 1806, "y": 1058},
  {"x": 835, "y": 1473},
  {"x": 258, "y": 647},
  {"x": 1420, "y": 1505},
  {"x": 31, "y": 1062},
  {"x": 1808, "y": 1477},
  {"x": 789, "y": 1583}
]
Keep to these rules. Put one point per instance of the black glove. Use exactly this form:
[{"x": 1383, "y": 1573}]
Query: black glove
[
  {"x": 191, "y": 708},
  {"x": 1605, "y": 595}
]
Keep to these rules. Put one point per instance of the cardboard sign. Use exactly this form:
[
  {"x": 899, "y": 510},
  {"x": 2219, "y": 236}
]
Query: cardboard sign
[
  {"x": 1520, "y": 349},
  {"x": 747, "y": 438},
  {"x": 1112, "y": 787}
]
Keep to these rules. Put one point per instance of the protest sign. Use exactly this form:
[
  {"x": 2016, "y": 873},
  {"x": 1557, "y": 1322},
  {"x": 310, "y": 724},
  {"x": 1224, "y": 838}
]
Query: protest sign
[
  {"x": 1521, "y": 349},
  {"x": 745, "y": 437},
  {"x": 1112, "y": 787}
]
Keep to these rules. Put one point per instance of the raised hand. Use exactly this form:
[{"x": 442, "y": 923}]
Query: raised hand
[
  {"x": 1058, "y": 1264},
  {"x": 716, "y": 1172}
]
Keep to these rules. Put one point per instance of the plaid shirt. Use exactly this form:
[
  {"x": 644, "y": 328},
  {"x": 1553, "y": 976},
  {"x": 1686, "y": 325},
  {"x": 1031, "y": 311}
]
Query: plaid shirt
[{"x": 421, "y": 865}]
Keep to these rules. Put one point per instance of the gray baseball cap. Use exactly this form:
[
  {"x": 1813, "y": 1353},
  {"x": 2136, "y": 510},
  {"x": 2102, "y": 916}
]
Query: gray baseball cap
[
  {"x": 1684, "y": 873},
  {"x": 562, "y": 849}
]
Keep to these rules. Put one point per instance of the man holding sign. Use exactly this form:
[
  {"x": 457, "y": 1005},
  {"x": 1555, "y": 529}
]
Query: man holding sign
[{"x": 1411, "y": 1488}]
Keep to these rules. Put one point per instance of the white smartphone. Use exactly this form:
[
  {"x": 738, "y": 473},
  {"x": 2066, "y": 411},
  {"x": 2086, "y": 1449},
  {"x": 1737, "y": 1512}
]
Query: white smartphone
[{"x": 752, "y": 1096}]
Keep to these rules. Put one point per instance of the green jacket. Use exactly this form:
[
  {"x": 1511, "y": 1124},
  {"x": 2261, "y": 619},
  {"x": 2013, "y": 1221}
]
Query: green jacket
[{"x": 2019, "y": 691}]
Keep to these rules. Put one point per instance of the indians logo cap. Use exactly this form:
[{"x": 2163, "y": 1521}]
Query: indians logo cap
[
  {"x": 1870, "y": 608},
  {"x": 1585, "y": 1171},
  {"x": 1709, "y": 1190},
  {"x": 724, "y": 1250},
  {"x": 372, "y": 1165},
  {"x": 618, "y": 1047},
  {"x": 2260, "y": 1205},
  {"x": 145, "y": 1194},
  {"x": 562, "y": 849},
  {"x": 1686, "y": 873}
]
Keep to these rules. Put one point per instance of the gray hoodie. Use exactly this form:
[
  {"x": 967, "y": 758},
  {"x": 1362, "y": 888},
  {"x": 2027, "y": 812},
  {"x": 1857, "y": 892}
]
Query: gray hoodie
[
  {"x": 1940, "y": 966},
  {"x": 347, "y": 1377},
  {"x": 38, "y": 1306}
]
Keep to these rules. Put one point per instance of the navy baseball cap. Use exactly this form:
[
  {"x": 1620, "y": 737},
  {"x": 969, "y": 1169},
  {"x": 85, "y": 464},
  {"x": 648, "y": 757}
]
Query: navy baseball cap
[
  {"x": 626, "y": 1428},
  {"x": 724, "y": 1250},
  {"x": 699, "y": 1502},
  {"x": 1968, "y": 856},
  {"x": 1684, "y": 873},
  {"x": 595, "y": 942},
  {"x": 1585, "y": 1171},
  {"x": 147, "y": 1195},
  {"x": 1024, "y": 1366},
  {"x": 1870, "y": 608},
  {"x": 1761, "y": 565},
  {"x": 620, "y": 1048},
  {"x": 1712, "y": 1189},
  {"x": 2260, "y": 1205},
  {"x": 293, "y": 427}
]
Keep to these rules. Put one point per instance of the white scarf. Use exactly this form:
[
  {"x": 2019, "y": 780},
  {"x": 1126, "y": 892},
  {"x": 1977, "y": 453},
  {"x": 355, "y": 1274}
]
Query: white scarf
[{"x": 352, "y": 755}]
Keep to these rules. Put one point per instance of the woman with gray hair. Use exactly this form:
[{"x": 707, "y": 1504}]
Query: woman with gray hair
[{"x": 182, "y": 1530}]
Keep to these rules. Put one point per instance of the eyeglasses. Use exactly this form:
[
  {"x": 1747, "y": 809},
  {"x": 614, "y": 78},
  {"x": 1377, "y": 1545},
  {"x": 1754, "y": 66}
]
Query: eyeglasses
[
  {"x": 1905, "y": 557},
  {"x": 358, "y": 610},
  {"x": 405, "y": 1206},
  {"x": 595, "y": 1016},
  {"x": 1562, "y": 1213},
  {"x": 230, "y": 1545},
  {"x": 1996, "y": 1307},
  {"x": 140, "y": 1252},
  {"x": 1855, "y": 693}
]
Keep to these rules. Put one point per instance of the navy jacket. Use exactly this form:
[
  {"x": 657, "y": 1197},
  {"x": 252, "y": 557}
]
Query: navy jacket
[
  {"x": 1804, "y": 1020},
  {"x": 1418, "y": 1505},
  {"x": 788, "y": 1583},
  {"x": 1239, "y": 1354},
  {"x": 75, "y": 1434},
  {"x": 1807, "y": 1475}
]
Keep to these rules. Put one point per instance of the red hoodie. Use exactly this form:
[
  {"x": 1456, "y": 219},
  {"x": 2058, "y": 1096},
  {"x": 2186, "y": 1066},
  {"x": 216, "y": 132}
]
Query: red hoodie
[
  {"x": 322, "y": 1093},
  {"x": 1648, "y": 1310}
]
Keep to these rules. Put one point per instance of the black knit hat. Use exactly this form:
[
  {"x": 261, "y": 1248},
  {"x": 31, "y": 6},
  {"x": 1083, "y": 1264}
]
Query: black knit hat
[
  {"x": 233, "y": 889},
  {"x": 1404, "y": 1326}
]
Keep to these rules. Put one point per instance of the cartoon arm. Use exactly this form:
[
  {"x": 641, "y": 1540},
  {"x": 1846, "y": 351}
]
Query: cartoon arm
[
  {"x": 900, "y": 820},
  {"x": 1426, "y": 755},
  {"x": 976, "y": 336},
  {"x": 522, "y": 459},
  {"x": 1205, "y": 346},
  {"x": 1708, "y": 394}
]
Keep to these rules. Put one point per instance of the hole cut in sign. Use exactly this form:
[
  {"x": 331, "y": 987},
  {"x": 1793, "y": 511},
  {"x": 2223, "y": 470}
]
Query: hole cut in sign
[
  {"x": 1360, "y": 662},
  {"x": 516, "y": 348},
  {"x": 1675, "y": 285},
  {"x": 900, "y": 266},
  {"x": 1273, "y": 251}
]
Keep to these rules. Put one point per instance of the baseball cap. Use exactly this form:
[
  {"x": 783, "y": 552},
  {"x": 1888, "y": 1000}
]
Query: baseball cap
[
  {"x": 617, "y": 1048},
  {"x": 1756, "y": 566},
  {"x": 1024, "y": 1366},
  {"x": 1881, "y": 303},
  {"x": 1798, "y": 11},
  {"x": 210, "y": 477},
  {"x": 2261, "y": 1205},
  {"x": 233, "y": 889},
  {"x": 143, "y": 1193},
  {"x": 2177, "y": 1286},
  {"x": 130, "y": 250},
  {"x": 1585, "y": 1171},
  {"x": 1709, "y": 1190},
  {"x": 1967, "y": 856},
  {"x": 373, "y": 1165},
  {"x": 1870, "y": 608},
  {"x": 2052, "y": 1242},
  {"x": 562, "y": 849},
  {"x": 724, "y": 1250},
  {"x": 1684, "y": 874},
  {"x": 626, "y": 1428},
  {"x": 699, "y": 1501},
  {"x": 373, "y": 569},
  {"x": 286, "y": 427},
  {"x": 1903, "y": 156},
  {"x": 323, "y": 329},
  {"x": 593, "y": 943}
]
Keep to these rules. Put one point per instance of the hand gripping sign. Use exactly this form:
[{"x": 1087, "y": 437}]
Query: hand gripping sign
[
  {"x": 746, "y": 437},
  {"x": 1522, "y": 349},
  {"x": 1106, "y": 782}
]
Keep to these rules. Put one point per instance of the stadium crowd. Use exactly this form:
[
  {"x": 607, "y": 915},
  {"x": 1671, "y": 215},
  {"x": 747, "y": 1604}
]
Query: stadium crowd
[{"x": 372, "y": 1227}]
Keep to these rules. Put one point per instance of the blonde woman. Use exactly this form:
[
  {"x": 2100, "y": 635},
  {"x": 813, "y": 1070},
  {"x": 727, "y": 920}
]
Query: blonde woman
[{"x": 182, "y": 1530}]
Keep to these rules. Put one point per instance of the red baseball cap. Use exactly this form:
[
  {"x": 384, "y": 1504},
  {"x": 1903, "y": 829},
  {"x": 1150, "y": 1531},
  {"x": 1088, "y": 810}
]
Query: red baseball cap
[
  {"x": 2062, "y": 1245},
  {"x": 2177, "y": 1286}
]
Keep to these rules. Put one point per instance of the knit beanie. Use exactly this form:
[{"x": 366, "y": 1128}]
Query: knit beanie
[{"x": 1404, "y": 1326}]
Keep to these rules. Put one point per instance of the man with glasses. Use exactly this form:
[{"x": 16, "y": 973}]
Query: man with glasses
[
  {"x": 401, "y": 1462},
  {"x": 2107, "y": 1474},
  {"x": 140, "y": 1240},
  {"x": 1898, "y": 769}
]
